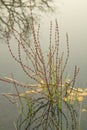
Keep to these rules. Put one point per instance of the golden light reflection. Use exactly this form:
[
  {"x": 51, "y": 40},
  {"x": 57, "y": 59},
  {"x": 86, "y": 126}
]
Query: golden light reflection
[
  {"x": 76, "y": 94},
  {"x": 84, "y": 110},
  {"x": 80, "y": 99}
]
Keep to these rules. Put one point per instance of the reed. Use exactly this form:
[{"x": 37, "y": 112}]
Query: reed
[{"x": 46, "y": 105}]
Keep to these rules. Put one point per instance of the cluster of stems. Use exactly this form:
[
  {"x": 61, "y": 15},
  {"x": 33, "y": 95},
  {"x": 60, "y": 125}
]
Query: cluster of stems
[{"x": 49, "y": 110}]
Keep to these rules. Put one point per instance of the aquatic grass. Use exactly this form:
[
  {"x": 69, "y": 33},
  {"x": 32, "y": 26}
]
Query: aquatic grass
[
  {"x": 47, "y": 75},
  {"x": 47, "y": 103}
]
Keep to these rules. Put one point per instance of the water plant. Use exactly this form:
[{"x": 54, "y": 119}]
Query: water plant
[{"x": 47, "y": 104}]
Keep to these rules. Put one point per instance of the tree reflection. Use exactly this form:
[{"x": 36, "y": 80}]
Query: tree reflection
[{"x": 20, "y": 12}]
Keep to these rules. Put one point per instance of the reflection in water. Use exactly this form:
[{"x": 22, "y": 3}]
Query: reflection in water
[{"x": 45, "y": 114}]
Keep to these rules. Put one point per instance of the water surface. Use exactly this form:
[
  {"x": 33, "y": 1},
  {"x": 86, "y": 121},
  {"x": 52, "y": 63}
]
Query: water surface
[{"x": 72, "y": 18}]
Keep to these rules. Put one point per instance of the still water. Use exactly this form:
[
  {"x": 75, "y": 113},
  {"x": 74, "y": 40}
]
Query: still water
[{"x": 72, "y": 18}]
